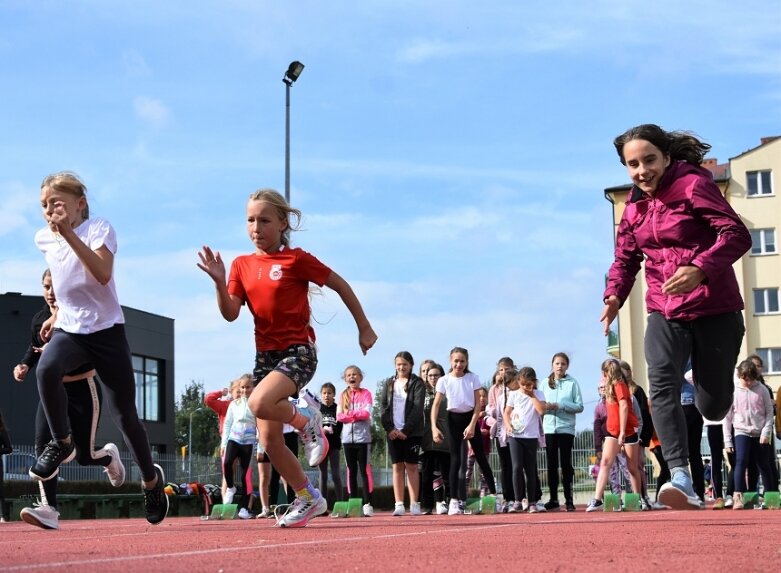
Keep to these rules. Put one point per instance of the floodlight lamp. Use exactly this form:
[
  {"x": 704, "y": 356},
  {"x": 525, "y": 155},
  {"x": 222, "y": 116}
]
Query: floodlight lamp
[{"x": 293, "y": 71}]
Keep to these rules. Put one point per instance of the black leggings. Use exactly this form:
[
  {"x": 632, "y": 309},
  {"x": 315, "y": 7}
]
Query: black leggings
[
  {"x": 457, "y": 423},
  {"x": 108, "y": 351},
  {"x": 558, "y": 448},
  {"x": 506, "y": 467},
  {"x": 693, "y": 440},
  {"x": 434, "y": 460},
  {"x": 84, "y": 415},
  {"x": 332, "y": 459},
  {"x": 356, "y": 458},
  {"x": 524, "y": 458},
  {"x": 664, "y": 470},
  {"x": 242, "y": 452}
]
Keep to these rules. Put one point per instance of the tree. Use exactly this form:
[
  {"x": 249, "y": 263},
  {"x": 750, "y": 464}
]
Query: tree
[
  {"x": 379, "y": 443},
  {"x": 205, "y": 436}
]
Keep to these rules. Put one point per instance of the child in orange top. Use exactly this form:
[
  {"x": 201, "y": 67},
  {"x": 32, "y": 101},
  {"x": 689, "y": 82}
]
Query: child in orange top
[{"x": 622, "y": 426}]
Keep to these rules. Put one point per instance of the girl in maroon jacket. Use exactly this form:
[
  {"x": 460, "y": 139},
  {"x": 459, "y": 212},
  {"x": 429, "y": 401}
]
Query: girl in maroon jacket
[{"x": 677, "y": 222}]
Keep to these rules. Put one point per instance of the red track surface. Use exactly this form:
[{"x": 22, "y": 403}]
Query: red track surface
[{"x": 692, "y": 541}]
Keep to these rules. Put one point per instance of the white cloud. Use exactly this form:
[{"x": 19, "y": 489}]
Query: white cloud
[{"x": 151, "y": 111}]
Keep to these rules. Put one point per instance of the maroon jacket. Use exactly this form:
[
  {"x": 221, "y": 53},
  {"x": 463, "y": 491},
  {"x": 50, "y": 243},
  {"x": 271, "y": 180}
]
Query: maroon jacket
[{"x": 687, "y": 222}]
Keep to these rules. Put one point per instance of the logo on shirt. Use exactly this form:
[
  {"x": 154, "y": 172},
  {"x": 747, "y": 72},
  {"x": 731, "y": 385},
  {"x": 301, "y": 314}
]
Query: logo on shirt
[{"x": 275, "y": 273}]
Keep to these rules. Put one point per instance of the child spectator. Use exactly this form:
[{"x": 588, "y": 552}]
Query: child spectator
[
  {"x": 218, "y": 402},
  {"x": 485, "y": 433},
  {"x": 646, "y": 430},
  {"x": 619, "y": 469},
  {"x": 497, "y": 399},
  {"x": 621, "y": 427},
  {"x": 751, "y": 416},
  {"x": 333, "y": 432},
  {"x": 436, "y": 456},
  {"x": 354, "y": 410},
  {"x": 239, "y": 434},
  {"x": 522, "y": 416}
]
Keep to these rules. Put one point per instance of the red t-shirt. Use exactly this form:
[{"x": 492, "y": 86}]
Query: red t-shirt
[
  {"x": 275, "y": 287},
  {"x": 613, "y": 419}
]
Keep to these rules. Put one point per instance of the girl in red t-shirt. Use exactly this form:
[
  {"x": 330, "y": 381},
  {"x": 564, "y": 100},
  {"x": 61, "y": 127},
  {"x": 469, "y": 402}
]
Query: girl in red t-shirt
[
  {"x": 274, "y": 283},
  {"x": 622, "y": 427}
]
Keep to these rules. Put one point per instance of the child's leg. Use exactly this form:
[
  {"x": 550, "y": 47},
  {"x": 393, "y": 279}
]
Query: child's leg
[
  {"x": 632, "y": 452},
  {"x": 506, "y": 466},
  {"x": 231, "y": 454},
  {"x": 336, "y": 474},
  {"x": 621, "y": 465},
  {"x": 245, "y": 456},
  {"x": 614, "y": 478},
  {"x": 457, "y": 423},
  {"x": 264, "y": 478},
  {"x": 84, "y": 415},
  {"x": 470, "y": 467},
  {"x": 529, "y": 453},
  {"x": 413, "y": 481},
  {"x": 516, "y": 456},
  {"x": 323, "y": 469},
  {"x": 609, "y": 452},
  {"x": 62, "y": 354},
  {"x": 351, "y": 463},
  {"x": 742, "y": 455},
  {"x": 42, "y": 437},
  {"x": 482, "y": 461},
  {"x": 552, "y": 456},
  {"x": 367, "y": 478}
]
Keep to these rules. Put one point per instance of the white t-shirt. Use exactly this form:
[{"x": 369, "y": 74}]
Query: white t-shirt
[
  {"x": 84, "y": 305},
  {"x": 460, "y": 392},
  {"x": 524, "y": 419},
  {"x": 399, "y": 404}
]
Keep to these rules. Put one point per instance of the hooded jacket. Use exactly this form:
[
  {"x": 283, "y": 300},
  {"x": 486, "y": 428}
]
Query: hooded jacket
[
  {"x": 413, "y": 407},
  {"x": 686, "y": 222},
  {"x": 356, "y": 416}
]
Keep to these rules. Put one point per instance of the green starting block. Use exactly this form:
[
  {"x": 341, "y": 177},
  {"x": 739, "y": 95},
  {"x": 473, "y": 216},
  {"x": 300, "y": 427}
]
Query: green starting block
[
  {"x": 612, "y": 502},
  {"x": 750, "y": 499},
  {"x": 224, "y": 511},
  {"x": 772, "y": 500},
  {"x": 632, "y": 502},
  {"x": 488, "y": 504},
  {"x": 472, "y": 506},
  {"x": 340, "y": 509},
  {"x": 355, "y": 507}
]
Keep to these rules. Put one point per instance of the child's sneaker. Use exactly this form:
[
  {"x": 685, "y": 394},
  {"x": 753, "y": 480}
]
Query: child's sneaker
[
  {"x": 229, "y": 493},
  {"x": 516, "y": 507},
  {"x": 728, "y": 502},
  {"x": 398, "y": 510},
  {"x": 533, "y": 508},
  {"x": 264, "y": 513},
  {"x": 552, "y": 505},
  {"x": 595, "y": 505},
  {"x": 39, "y": 515},
  {"x": 570, "y": 506},
  {"x": 315, "y": 442},
  {"x": 719, "y": 504},
  {"x": 454, "y": 508},
  {"x": 302, "y": 510},
  {"x": 540, "y": 507},
  {"x": 48, "y": 463},
  {"x": 737, "y": 501},
  {"x": 244, "y": 513},
  {"x": 645, "y": 504},
  {"x": 155, "y": 499},
  {"x": 414, "y": 508},
  {"x": 115, "y": 469},
  {"x": 656, "y": 506},
  {"x": 679, "y": 493},
  {"x": 524, "y": 504},
  {"x": 368, "y": 510}
]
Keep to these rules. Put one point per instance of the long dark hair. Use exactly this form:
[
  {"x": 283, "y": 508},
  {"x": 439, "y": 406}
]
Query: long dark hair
[{"x": 678, "y": 145}]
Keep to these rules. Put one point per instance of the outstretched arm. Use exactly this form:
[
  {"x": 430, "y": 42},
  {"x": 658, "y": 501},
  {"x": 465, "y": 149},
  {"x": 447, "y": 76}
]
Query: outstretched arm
[
  {"x": 366, "y": 334},
  {"x": 211, "y": 263}
]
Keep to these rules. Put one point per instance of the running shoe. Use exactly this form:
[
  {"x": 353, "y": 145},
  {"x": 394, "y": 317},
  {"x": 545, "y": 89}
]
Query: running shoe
[
  {"x": 264, "y": 513},
  {"x": 552, "y": 505},
  {"x": 244, "y": 513},
  {"x": 719, "y": 504},
  {"x": 540, "y": 507},
  {"x": 524, "y": 504},
  {"x": 229, "y": 494},
  {"x": 570, "y": 506},
  {"x": 302, "y": 510},
  {"x": 515, "y": 507},
  {"x": 454, "y": 508},
  {"x": 738, "y": 501},
  {"x": 40, "y": 515},
  {"x": 728, "y": 502},
  {"x": 368, "y": 510},
  {"x": 313, "y": 437},
  {"x": 656, "y": 506},
  {"x": 48, "y": 463},
  {"x": 115, "y": 469},
  {"x": 533, "y": 508},
  {"x": 155, "y": 499},
  {"x": 595, "y": 505},
  {"x": 441, "y": 508},
  {"x": 414, "y": 508},
  {"x": 398, "y": 510},
  {"x": 679, "y": 493}
]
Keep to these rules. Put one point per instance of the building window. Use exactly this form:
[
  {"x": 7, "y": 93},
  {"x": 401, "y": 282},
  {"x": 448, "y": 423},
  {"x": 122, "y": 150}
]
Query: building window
[
  {"x": 771, "y": 358},
  {"x": 765, "y": 300},
  {"x": 149, "y": 385},
  {"x": 763, "y": 241},
  {"x": 759, "y": 183}
]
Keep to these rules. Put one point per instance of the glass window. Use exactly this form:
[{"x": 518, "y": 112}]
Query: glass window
[
  {"x": 763, "y": 241},
  {"x": 765, "y": 300},
  {"x": 759, "y": 183},
  {"x": 148, "y": 387},
  {"x": 772, "y": 359}
]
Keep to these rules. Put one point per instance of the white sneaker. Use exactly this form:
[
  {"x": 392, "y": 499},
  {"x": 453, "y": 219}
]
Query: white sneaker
[
  {"x": 454, "y": 508},
  {"x": 244, "y": 513},
  {"x": 368, "y": 510},
  {"x": 728, "y": 501},
  {"x": 540, "y": 507},
  {"x": 229, "y": 493},
  {"x": 315, "y": 442},
  {"x": 524, "y": 504},
  {"x": 398, "y": 510},
  {"x": 115, "y": 469},
  {"x": 302, "y": 510},
  {"x": 441, "y": 508},
  {"x": 414, "y": 508},
  {"x": 43, "y": 516},
  {"x": 656, "y": 506}
]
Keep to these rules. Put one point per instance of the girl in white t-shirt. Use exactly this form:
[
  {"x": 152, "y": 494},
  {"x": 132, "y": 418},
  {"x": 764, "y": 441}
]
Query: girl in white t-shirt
[
  {"x": 88, "y": 327},
  {"x": 523, "y": 424},
  {"x": 461, "y": 387}
]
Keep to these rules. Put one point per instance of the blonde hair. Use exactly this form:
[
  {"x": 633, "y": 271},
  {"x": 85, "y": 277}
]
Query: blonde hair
[
  {"x": 276, "y": 200},
  {"x": 611, "y": 368},
  {"x": 67, "y": 182},
  {"x": 344, "y": 397}
]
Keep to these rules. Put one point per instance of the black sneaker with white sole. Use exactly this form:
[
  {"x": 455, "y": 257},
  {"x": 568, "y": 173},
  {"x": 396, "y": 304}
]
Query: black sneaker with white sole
[
  {"x": 48, "y": 463},
  {"x": 155, "y": 499}
]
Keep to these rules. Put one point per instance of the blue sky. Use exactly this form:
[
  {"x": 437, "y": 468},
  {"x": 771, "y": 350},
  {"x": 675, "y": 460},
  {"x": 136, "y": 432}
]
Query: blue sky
[{"x": 449, "y": 157}]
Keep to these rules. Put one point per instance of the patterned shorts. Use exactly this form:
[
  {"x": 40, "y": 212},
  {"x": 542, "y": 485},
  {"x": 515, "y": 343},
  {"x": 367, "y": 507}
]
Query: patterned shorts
[{"x": 297, "y": 362}]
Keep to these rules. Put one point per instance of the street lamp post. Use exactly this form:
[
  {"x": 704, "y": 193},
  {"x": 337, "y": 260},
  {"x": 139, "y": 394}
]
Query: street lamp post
[
  {"x": 291, "y": 75},
  {"x": 190, "y": 447}
]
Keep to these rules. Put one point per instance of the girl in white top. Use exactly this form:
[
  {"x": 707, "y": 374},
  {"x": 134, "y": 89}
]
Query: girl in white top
[
  {"x": 239, "y": 435},
  {"x": 460, "y": 387},
  {"x": 522, "y": 422},
  {"x": 89, "y": 327}
]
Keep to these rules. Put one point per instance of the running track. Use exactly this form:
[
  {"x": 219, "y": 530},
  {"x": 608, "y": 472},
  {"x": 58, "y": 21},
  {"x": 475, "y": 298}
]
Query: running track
[{"x": 691, "y": 541}]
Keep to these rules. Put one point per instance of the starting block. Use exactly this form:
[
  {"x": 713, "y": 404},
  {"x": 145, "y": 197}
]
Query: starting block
[
  {"x": 632, "y": 502},
  {"x": 772, "y": 500},
  {"x": 340, "y": 509},
  {"x": 472, "y": 506},
  {"x": 612, "y": 502},
  {"x": 750, "y": 499},
  {"x": 488, "y": 504},
  {"x": 224, "y": 511},
  {"x": 354, "y": 507}
]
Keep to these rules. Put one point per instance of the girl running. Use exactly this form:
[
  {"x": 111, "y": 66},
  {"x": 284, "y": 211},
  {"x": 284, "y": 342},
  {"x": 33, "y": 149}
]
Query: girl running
[{"x": 274, "y": 282}]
